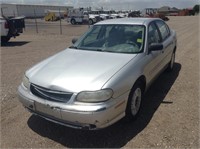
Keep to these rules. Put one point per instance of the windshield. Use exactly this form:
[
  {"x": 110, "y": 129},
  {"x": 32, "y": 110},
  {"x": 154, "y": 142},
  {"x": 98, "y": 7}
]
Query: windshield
[
  {"x": 113, "y": 38},
  {"x": 94, "y": 12},
  {"x": 104, "y": 12}
]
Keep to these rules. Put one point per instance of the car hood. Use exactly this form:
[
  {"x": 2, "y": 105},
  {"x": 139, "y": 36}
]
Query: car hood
[
  {"x": 93, "y": 15},
  {"x": 77, "y": 70},
  {"x": 104, "y": 15}
]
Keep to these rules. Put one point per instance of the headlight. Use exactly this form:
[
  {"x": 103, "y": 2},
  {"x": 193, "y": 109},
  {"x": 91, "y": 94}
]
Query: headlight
[
  {"x": 94, "y": 96},
  {"x": 25, "y": 82}
]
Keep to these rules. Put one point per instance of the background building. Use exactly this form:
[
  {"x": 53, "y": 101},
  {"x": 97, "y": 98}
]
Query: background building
[
  {"x": 148, "y": 11},
  {"x": 27, "y": 10},
  {"x": 168, "y": 11}
]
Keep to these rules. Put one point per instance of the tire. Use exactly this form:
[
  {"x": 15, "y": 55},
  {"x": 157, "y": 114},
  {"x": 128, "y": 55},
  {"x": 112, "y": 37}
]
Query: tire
[
  {"x": 134, "y": 102},
  {"x": 5, "y": 39},
  {"x": 90, "y": 21},
  {"x": 73, "y": 22},
  {"x": 171, "y": 63}
]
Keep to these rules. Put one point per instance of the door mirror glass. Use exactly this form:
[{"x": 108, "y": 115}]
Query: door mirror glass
[{"x": 156, "y": 47}]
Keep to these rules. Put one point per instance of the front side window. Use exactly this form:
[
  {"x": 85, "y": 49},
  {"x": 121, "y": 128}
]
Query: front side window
[
  {"x": 113, "y": 38},
  {"x": 153, "y": 34},
  {"x": 164, "y": 30}
]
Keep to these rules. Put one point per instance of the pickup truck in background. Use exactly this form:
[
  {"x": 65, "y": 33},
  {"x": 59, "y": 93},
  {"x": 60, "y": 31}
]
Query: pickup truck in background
[{"x": 11, "y": 27}]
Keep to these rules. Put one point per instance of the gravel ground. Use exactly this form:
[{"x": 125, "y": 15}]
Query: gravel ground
[{"x": 169, "y": 118}]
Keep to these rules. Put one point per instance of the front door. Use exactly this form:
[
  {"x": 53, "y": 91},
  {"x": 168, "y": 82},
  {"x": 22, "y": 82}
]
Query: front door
[{"x": 154, "y": 58}]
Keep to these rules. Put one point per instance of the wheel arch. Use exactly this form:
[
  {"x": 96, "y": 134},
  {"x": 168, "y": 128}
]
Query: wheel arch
[
  {"x": 128, "y": 113},
  {"x": 73, "y": 21},
  {"x": 174, "y": 49},
  {"x": 142, "y": 80},
  {"x": 91, "y": 21}
]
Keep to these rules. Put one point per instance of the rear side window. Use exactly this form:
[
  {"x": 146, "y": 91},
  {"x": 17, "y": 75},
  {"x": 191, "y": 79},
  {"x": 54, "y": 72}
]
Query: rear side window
[{"x": 164, "y": 30}]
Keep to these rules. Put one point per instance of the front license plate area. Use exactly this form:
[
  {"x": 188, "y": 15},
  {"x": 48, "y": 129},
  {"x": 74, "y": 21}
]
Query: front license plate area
[{"x": 47, "y": 109}]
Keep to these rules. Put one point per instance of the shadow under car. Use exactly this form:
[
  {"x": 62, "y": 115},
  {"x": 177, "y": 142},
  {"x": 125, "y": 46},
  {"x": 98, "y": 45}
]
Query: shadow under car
[{"x": 14, "y": 43}]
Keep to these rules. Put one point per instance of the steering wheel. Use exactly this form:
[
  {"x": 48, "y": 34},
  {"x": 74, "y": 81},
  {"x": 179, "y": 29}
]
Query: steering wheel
[{"x": 133, "y": 44}]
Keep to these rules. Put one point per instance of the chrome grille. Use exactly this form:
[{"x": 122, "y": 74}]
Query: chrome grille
[{"x": 51, "y": 95}]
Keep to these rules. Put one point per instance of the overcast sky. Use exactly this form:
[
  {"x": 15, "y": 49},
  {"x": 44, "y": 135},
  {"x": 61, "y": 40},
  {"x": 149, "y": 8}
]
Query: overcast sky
[{"x": 113, "y": 4}]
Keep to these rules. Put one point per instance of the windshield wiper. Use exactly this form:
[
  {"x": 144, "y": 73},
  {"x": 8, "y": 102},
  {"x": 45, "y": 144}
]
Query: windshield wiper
[
  {"x": 92, "y": 49},
  {"x": 102, "y": 50},
  {"x": 73, "y": 47},
  {"x": 99, "y": 50}
]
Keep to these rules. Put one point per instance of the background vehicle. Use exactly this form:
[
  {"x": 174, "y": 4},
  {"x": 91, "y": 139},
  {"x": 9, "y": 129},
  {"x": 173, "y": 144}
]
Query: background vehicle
[
  {"x": 118, "y": 59},
  {"x": 4, "y": 30},
  {"x": 104, "y": 15},
  {"x": 81, "y": 15},
  {"x": 54, "y": 15},
  {"x": 51, "y": 16},
  {"x": 159, "y": 15},
  {"x": 114, "y": 15},
  {"x": 11, "y": 27},
  {"x": 122, "y": 15},
  {"x": 134, "y": 14},
  {"x": 94, "y": 17}
]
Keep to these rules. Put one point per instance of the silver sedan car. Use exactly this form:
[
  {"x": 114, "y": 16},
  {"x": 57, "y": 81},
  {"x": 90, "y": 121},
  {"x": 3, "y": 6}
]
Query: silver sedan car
[{"x": 103, "y": 76}]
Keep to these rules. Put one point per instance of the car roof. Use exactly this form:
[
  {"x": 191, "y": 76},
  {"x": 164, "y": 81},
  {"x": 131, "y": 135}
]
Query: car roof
[{"x": 128, "y": 21}]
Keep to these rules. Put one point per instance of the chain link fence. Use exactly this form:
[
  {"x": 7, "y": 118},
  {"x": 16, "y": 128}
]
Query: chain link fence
[{"x": 49, "y": 22}]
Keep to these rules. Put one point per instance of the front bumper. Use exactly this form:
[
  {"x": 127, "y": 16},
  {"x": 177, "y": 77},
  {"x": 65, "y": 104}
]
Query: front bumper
[{"x": 73, "y": 114}]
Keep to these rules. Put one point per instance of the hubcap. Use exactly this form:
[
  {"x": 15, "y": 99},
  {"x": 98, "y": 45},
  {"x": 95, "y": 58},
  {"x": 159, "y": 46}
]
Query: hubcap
[
  {"x": 136, "y": 101},
  {"x": 90, "y": 22}
]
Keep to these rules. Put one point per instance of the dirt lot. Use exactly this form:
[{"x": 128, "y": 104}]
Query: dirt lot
[{"x": 170, "y": 117}]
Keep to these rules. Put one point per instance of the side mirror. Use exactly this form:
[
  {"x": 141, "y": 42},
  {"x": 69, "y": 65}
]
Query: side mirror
[
  {"x": 156, "y": 47},
  {"x": 74, "y": 40}
]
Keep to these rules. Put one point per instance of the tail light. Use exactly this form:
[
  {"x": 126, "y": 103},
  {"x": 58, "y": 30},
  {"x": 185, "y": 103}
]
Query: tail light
[{"x": 6, "y": 25}]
